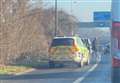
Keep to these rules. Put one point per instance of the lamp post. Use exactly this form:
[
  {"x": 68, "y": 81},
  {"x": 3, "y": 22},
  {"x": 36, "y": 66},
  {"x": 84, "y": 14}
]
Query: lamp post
[{"x": 56, "y": 22}]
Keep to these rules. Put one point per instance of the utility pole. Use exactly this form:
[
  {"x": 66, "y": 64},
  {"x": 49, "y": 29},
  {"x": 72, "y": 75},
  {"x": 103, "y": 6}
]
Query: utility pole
[
  {"x": 56, "y": 18},
  {"x": 72, "y": 22}
]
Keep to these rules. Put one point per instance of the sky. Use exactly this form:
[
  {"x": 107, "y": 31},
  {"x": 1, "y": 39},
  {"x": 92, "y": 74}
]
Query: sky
[{"x": 81, "y": 9}]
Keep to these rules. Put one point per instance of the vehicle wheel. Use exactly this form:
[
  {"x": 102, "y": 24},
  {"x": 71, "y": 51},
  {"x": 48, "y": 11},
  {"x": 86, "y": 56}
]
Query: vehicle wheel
[
  {"x": 51, "y": 64},
  {"x": 81, "y": 64}
]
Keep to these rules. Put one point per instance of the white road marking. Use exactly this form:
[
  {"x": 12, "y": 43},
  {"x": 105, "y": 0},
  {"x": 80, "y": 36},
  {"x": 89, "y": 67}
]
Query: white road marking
[
  {"x": 86, "y": 74},
  {"x": 79, "y": 80}
]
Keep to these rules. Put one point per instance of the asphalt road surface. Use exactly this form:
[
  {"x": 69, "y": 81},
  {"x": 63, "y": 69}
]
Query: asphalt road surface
[{"x": 94, "y": 73}]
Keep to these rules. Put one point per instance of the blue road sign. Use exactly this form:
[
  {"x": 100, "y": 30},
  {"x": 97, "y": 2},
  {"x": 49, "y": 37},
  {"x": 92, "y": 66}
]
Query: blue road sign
[
  {"x": 102, "y": 16},
  {"x": 94, "y": 24}
]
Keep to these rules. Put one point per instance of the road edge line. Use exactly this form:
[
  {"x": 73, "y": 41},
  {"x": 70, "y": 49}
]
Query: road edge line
[{"x": 86, "y": 74}]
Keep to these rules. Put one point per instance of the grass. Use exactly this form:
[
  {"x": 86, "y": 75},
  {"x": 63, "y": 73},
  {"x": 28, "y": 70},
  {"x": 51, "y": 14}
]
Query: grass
[
  {"x": 11, "y": 70},
  {"x": 8, "y": 70}
]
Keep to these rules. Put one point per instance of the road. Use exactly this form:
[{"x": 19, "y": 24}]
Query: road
[{"x": 94, "y": 73}]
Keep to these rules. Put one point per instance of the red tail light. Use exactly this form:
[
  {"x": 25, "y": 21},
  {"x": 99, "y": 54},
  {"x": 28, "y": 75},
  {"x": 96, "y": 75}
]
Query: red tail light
[{"x": 75, "y": 47}]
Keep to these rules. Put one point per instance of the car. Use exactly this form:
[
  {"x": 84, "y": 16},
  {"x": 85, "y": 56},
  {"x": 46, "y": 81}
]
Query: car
[{"x": 68, "y": 49}]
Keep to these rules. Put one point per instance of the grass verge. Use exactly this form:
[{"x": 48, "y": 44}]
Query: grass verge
[{"x": 12, "y": 70}]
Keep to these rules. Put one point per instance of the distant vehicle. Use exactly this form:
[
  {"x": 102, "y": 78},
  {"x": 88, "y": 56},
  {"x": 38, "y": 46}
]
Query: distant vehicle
[{"x": 67, "y": 49}]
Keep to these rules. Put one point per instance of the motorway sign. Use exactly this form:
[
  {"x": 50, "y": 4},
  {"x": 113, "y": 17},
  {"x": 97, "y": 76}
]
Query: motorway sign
[
  {"x": 94, "y": 24},
  {"x": 102, "y": 16}
]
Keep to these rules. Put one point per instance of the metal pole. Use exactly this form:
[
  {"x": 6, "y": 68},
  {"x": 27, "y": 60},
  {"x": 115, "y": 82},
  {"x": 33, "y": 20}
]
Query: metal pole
[
  {"x": 72, "y": 22},
  {"x": 55, "y": 18},
  {"x": 115, "y": 50}
]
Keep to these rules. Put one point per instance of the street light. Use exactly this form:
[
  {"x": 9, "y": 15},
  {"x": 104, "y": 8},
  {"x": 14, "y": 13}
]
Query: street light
[{"x": 56, "y": 22}]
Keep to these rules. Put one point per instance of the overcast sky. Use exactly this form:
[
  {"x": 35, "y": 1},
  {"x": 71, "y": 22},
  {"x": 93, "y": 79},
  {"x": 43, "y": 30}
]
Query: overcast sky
[{"x": 82, "y": 9}]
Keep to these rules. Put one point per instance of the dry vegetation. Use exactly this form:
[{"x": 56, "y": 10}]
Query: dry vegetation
[
  {"x": 25, "y": 34},
  {"x": 13, "y": 70}
]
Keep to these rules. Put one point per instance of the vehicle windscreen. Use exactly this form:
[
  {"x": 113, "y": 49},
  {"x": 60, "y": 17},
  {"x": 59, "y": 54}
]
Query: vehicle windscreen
[{"x": 62, "y": 42}]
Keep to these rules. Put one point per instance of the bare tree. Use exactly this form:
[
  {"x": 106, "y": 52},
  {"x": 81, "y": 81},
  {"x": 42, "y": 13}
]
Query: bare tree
[
  {"x": 10, "y": 12},
  {"x": 20, "y": 30},
  {"x": 66, "y": 22},
  {"x": 25, "y": 31}
]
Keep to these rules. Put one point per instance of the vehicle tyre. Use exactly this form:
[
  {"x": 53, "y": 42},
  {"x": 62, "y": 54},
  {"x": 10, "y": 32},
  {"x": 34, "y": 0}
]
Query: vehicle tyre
[{"x": 81, "y": 64}]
